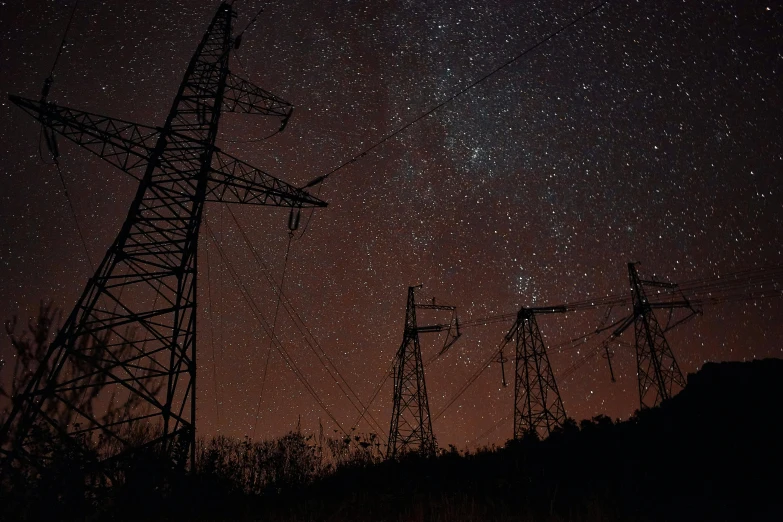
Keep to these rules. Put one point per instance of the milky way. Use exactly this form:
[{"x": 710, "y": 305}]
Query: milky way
[{"x": 649, "y": 131}]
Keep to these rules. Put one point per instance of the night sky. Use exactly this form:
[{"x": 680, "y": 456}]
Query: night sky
[{"x": 650, "y": 131}]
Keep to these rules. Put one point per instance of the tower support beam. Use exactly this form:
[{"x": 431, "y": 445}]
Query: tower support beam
[
  {"x": 659, "y": 375},
  {"x": 538, "y": 407},
  {"x": 411, "y": 425}
]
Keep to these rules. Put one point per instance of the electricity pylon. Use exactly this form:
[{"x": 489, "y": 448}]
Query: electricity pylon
[
  {"x": 411, "y": 425},
  {"x": 657, "y": 370},
  {"x": 132, "y": 332},
  {"x": 538, "y": 408}
]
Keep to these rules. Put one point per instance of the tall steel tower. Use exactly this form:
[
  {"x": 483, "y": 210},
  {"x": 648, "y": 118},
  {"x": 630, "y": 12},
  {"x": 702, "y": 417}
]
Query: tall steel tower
[
  {"x": 132, "y": 334},
  {"x": 657, "y": 370},
  {"x": 538, "y": 408},
  {"x": 411, "y": 425}
]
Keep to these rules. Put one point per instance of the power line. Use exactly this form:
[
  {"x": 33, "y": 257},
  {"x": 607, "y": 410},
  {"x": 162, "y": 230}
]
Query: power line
[
  {"x": 459, "y": 93},
  {"x": 715, "y": 290},
  {"x": 274, "y": 327},
  {"x": 320, "y": 179},
  {"x": 471, "y": 380},
  {"x": 255, "y": 310},
  {"x": 62, "y": 46},
  {"x": 712, "y": 290},
  {"x": 491, "y": 429},
  {"x": 212, "y": 337},
  {"x": 50, "y": 139},
  {"x": 310, "y": 340},
  {"x": 73, "y": 214},
  {"x": 377, "y": 390}
]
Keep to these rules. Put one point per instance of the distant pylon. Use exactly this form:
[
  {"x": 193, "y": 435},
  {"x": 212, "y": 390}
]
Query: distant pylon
[
  {"x": 538, "y": 407},
  {"x": 411, "y": 425},
  {"x": 657, "y": 370}
]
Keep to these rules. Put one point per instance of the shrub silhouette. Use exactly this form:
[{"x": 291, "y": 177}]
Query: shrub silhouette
[{"x": 709, "y": 453}]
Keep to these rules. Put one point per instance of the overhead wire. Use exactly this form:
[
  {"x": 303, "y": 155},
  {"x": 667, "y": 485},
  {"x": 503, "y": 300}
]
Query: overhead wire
[
  {"x": 589, "y": 354},
  {"x": 491, "y": 429},
  {"x": 471, "y": 380},
  {"x": 75, "y": 219},
  {"x": 50, "y": 140},
  {"x": 212, "y": 337},
  {"x": 563, "y": 375},
  {"x": 62, "y": 41},
  {"x": 698, "y": 291},
  {"x": 474, "y": 377},
  {"x": 261, "y": 320},
  {"x": 252, "y": 21},
  {"x": 571, "y": 344},
  {"x": 579, "y": 305},
  {"x": 712, "y": 290},
  {"x": 310, "y": 340},
  {"x": 274, "y": 329},
  {"x": 377, "y": 390},
  {"x": 462, "y": 91},
  {"x": 320, "y": 179}
]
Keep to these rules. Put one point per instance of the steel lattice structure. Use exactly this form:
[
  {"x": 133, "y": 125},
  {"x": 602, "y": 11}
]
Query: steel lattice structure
[
  {"x": 411, "y": 424},
  {"x": 132, "y": 332},
  {"x": 538, "y": 408},
  {"x": 657, "y": 370}
]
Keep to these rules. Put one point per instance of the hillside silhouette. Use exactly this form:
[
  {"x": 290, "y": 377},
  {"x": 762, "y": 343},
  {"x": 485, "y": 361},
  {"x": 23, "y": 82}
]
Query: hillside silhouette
[{"x": 710, "y": 453}]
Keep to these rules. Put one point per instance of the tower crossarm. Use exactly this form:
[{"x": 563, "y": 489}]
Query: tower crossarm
[
  {"x": 545, "y": 310},
  {"x": 124, "y": 144},
  {"x": 129, "y": 145},
  {"x": 435, "y": 307},
  {"x": 434, "y": 328},
  {"x": 658, "y": 284},
  {"x": 451, "y": 337},
  {"x": 242, "y": 96},
  {"x": 233, "y": 181},
  {"x": 528, "y": 312},
  {"x": 671, "y": 304}
]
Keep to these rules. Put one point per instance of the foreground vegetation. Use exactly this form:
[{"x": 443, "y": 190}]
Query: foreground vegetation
[{"x": 711, "y": 453}]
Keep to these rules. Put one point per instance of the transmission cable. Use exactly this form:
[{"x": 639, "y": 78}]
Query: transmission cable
[
  {"x": 274, "y": 329},
  {"x": 320, "y": 179},
  {"x": 698, "y": 291},
  {"x": 471, "y": 380},
  {"x": 474, "y": 377},
  {"x": 50, "y": 78},
  {"x": 491, "y": 429},
  {"x": 258, "y": 315},
  {"x": 73, "y": 214},
  {"x": 50, "y": 140},
  {"x": 251, "y": 22},
  {"x": 584, "y": 359},
  {"x": 374, "y": 395},
  {"x": 752, "y": 278},
  {"x": 310, "y": 340},
  {"x": 212, "y": 338},
  {"x": 459, "y": 93}
]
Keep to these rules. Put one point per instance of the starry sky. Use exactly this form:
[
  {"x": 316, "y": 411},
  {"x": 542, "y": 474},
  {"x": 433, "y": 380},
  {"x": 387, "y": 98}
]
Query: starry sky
[{"x": 650, "y": 131}]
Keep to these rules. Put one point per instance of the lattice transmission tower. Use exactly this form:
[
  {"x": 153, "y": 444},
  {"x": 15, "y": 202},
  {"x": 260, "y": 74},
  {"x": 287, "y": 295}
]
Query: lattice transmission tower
[
  {"x": 538, "y": 407},
  {"x": 411, "y": 425},
  {"x": 658, "y": 373},
  {"x": 132, "y": 332}
]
